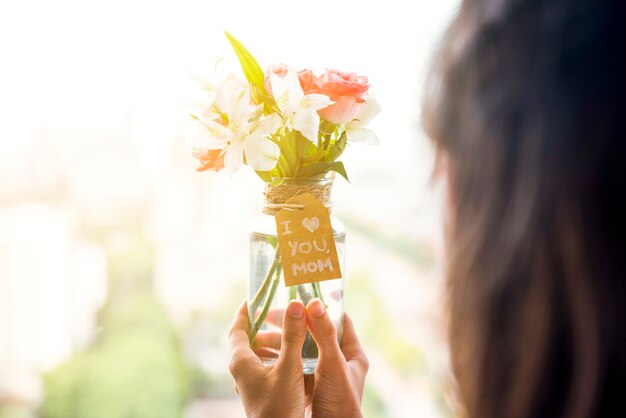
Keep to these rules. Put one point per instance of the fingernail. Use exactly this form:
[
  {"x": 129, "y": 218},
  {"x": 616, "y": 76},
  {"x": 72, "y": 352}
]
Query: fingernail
[
  {"x": 295, "y": 310},
  {"x": 316, "y": 308}
]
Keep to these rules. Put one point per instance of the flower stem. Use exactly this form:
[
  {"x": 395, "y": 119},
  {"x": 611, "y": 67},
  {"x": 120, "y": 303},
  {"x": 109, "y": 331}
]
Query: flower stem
[
  {"x": 316, "y": 290},
  {"x": 326, "y": 142},
  {"x": 309, "y": 348},
  {"x": 305, "y": 295},
  {"x": 266, "y": 307},
  {"x": 262, "y": 291}
]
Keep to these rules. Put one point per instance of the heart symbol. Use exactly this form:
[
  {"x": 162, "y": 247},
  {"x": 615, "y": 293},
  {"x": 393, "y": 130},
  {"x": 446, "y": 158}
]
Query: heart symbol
[{"x": 311, "y": 223}]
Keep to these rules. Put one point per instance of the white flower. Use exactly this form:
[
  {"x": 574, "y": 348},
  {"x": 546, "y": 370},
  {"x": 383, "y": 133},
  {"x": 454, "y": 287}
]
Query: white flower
[
  {"x": 298, "y": 109},
  {"x": 356, "y": 131},
  {"x": 222, "y": 97},
  {"x": 244, "y": 135}
]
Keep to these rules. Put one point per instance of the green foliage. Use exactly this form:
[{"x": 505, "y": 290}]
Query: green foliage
[
  {"x": 321, "y": 168},
  {"x": 299, "y": 158},
  {"x": 373, "y": 405},
  {"x": 15, "y": 411},
  {"x": 266, "y": 176},
  {"x": 249, "y": 64},
  {"x": 127, "y": 376},
  {"x": 135, "y": 368},
  {"x": 313, "y": 156},
  {"x": 337, "y": 148},
  {"x": 289, "y": 162},
  {"x": 254, "y": 74},
  {"x": 141, "y": 313}
]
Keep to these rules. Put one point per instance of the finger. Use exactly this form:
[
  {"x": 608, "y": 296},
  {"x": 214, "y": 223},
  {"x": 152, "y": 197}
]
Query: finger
[
  {"x": 350, "y": 344},
  {"x": 266, "y": 353},
  {"x": 294, "y": 331},
  {"x": 323, "y": 330},
  {"x": 242, "y": 358},
  {"x": 240, "y": 328},
  {"x": 309, "y": 386},
  {"x": 268, "y": 339}
]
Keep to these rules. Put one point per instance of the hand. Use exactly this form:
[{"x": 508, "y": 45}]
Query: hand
[
  {"x": 340, "y": 374},
  {"x": 275, "y": 391}
]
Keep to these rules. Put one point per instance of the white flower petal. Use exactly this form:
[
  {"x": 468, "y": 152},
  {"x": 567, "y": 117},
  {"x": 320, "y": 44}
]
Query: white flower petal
[
  {"x": 256, "y": 114},
  {"x": 206, "y": 86},
  {"x": 362, "y": 135},
  {"x": 308, "y": 123},
  {"x": 242, "y": 110},
  {"x": 294, "y": 89},
  {"x": 279, "y": 90},
  {"x": 268, "y": 125},
  {"x": 227, "y": 94},
  {"x": 367, "y": 112},
  {"x": 315, "y": 101},
  {"x": 207, "y": 134},
  {"x": 261, "y": 153},
  {"x": 209, "y": 113},
  {"x": 233, "y": 160}
]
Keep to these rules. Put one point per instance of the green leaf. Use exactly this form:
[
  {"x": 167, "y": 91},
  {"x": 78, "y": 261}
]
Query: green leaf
[
  {"x": 260, "y": 96},
  {"x": 337, "y": 148},
  {"x": 249, "y": 65},
  {"x": 309, "y": 153},
  {"x": 322, "y": 168},
  {"x": 266, "y": 176},
  {"x": 337, "y": 167},
  {"x": 288, "y": 162},
  {"x": 271, "y": 177},
  {"x": 303, "y": 145},
  {"x": 327, "y": 128},
  {"x": 314, "y": 157}
]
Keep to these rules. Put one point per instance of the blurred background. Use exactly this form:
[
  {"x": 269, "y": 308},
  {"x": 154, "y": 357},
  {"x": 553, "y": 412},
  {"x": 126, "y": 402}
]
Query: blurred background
[{"x": 121, "y": 267}]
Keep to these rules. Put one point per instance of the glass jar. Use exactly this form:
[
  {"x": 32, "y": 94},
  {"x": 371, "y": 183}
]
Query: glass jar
[{"x": 267, "y": 294}]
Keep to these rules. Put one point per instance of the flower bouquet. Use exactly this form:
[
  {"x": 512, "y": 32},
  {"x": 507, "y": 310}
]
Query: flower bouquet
[{"x": 291, "y": 127}]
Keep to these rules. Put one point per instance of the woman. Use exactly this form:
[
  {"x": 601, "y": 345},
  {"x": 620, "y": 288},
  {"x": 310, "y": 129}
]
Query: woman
[{"x": 525, "y": 108}]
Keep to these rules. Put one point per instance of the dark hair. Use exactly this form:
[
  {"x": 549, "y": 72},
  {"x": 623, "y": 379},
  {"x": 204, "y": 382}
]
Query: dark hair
[{"x": 526, "y": 103}]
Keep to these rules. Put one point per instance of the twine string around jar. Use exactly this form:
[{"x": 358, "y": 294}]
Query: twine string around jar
[{"x": 277, "y": 196}]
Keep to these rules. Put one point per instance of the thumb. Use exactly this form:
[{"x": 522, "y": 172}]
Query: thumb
[
  {"x": 294, "y": 332},
  {"x": 323, "y": 331}
]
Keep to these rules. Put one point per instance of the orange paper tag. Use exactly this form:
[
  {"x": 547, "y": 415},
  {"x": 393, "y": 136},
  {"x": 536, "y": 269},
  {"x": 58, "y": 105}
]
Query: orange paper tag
[{"x": 307, "y": 245}]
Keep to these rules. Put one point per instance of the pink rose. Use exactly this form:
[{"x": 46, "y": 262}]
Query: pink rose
[
  {"x": 278, "y": 69},
  {"x": 347, "y": 90},
  {"x": 309, "y": 82}
]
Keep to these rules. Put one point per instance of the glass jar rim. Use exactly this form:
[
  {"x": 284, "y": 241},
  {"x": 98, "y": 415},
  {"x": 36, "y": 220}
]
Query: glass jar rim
[
  {"x": 276, "y": 195},
  {"x": 322, "y": 180}
]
